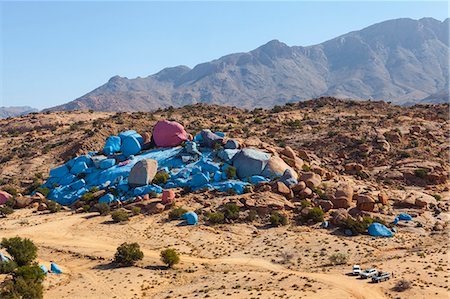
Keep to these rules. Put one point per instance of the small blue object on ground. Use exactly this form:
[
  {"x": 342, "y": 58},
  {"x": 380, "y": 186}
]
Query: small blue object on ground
[
  {"x": 44, "y": 269},
  {"x": 190, "y": 217},
  {"x": 55, "y": 269}
]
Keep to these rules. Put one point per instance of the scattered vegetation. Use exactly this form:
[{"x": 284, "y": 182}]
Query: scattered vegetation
[
  {"x": 421, "y": 172},
  {"x": 176, "y": 213},
  {"x": 278, "y": 219},
  {"x": 339, "y": 258},
  {"x": 358, "y": 227},
  {"x": 160, "y": 178},
  {"x": 120, "y": 216},
  {"x": 230, "y": 172},
  {"x": 53, "y": 206},
  {"x": 27, "y": 277},
  {"x": 216, "y": 217},
  {"x": 23, "y": 251},
  {"x": 314, "y": 215},
  {"x": 4, "y": 211},
  {"x": 102, "y": 208},
  {"x": 136, "y": 211},
  {"x": 231, "y": 211},
  {"x": 128, "y": 254},
  {"x": 170, "y": 257},
  {"x": 402, "y": 285}
]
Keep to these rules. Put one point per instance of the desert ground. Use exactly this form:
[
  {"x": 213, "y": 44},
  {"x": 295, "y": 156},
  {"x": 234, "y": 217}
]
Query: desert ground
[
  {"x": 390, "y": 145},
  {"x": 238, "y": 261}
]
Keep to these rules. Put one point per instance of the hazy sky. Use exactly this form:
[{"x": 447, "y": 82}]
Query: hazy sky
[{"x": 54, "y": 52}]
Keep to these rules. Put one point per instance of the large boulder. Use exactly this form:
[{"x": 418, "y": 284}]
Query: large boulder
[
  {"x": 383, "y": 198},
  {"x": 169, "y": 133},
  {"x": 209, "y": 139},
  {"x": 130, "y": 146},
  {"x": 112, "y": 145},
  {"x": 4, "y": 197},
  {"x": 326, "y": 205},
  {"x": 289, "y": 152},
  {"x": 311, "y": 179},
  {"x": 365, "y": 202},
  {"x": 249, "y": 162},
  {"x": 276, "y": 167},
  {"x": 143, "y": 173},
  {"x": 22, "y": 201},
  {"x": 343, "y": 197}
]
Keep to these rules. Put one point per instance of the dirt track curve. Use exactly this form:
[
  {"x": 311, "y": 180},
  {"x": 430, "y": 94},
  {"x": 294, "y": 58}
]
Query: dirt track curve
[{"x": 68, "y": 236}]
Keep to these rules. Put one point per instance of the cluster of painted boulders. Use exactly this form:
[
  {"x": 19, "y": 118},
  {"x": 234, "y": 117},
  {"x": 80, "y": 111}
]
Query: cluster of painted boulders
[{"x": 132, "y": 165}]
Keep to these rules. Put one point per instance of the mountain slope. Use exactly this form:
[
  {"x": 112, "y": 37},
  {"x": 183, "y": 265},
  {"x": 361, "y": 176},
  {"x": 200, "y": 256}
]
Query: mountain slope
[
  {"x": 400, "y": 60},
  {"x": 15, "y": 111}
]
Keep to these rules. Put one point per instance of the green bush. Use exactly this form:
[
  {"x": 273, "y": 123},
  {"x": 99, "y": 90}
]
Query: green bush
[
  {"x": 30, "y": 273},
  {"x": 438, "y": 197},
  {"x": 251, "y": 216},
  {"x": 88, "y": 196},
  {"x": 176, "y": 213},
  {"x": 338, "y": 258},
  {"x": 258, "y": 121},
  {"x": 136, "y": 211},
  {"x": 216, "y": 218},
  {"x": 278, "y": 219},
  {"x": 231, "y": 211},
  {"x": 10, "y": 190},
  {"x": 10, "y": 203},
  {"x": 359, "y": 227},
  {"x": 43, "y": 190},
  {"x": 402, "y": 285},
  {"x": 86, "y": 208},
  {"x": 23, "y": 251},
  {"x": 53, "y": 206},
  {"x": 120, "y": 216},
  {"x": 305, "y": 203},
  {"x": 421, "y": 172},
  {"x": 230, "y": 172},
  {"x": 22, "y": 288},
  {"x": 6, "y": 210},
  {"x": 315, "y": 215},
  {"x": 170, "y": 257},
  {"x": 128, "y": 254},
  {"x": 160, "y": 178},
  {"x": 102, "y": 208},
  {"x": 7, "y": 267}
]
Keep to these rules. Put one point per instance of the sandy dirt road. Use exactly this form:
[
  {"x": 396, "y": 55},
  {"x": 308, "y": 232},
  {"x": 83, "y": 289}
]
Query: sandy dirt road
[{"x": 67, "y": 233}]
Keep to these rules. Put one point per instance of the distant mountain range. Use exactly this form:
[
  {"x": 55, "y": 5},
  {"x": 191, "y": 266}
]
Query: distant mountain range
[
  {"x": 6, "y": 112},
  {"x": 401, "y": 60}
]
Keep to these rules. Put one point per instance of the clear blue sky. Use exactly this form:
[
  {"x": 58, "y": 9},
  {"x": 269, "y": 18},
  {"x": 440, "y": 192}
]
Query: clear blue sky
[{"x": 54, "y": 52}]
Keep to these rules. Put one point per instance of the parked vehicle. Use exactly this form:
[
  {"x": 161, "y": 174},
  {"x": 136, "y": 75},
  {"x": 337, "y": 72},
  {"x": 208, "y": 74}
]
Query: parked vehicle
[
  {"x": 368, "y": 273},
  {"x": 381, "y": 277},
  {"x": 356, "y": 270}
]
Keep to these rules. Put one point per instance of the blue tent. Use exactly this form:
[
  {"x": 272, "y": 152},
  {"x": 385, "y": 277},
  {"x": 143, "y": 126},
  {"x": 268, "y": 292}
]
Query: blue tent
[
  {"x": 3, "y": 258},
  {"x": 191, "y": 218},
  {"x": 55, "y": 269},
  {"x": 404, "y": 216},
  {"x": 44, "y": 269},
  {"x": 379, "y": 230}
]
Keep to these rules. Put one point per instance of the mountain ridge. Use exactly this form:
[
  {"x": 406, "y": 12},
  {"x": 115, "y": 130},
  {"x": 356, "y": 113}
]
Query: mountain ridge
[{"x": 400, "y": 60}]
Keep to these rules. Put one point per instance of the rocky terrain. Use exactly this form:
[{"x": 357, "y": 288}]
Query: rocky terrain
[
  {"x": 403, "y": 60},
  {"x": 356, "y": 160}
]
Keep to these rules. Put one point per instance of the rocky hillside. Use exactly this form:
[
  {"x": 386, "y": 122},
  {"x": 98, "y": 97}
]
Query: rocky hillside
[
  {"x": 402, "y": 61},
  {"x": 376, "y": 144},
  {"x": 15, "y": 111}
]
